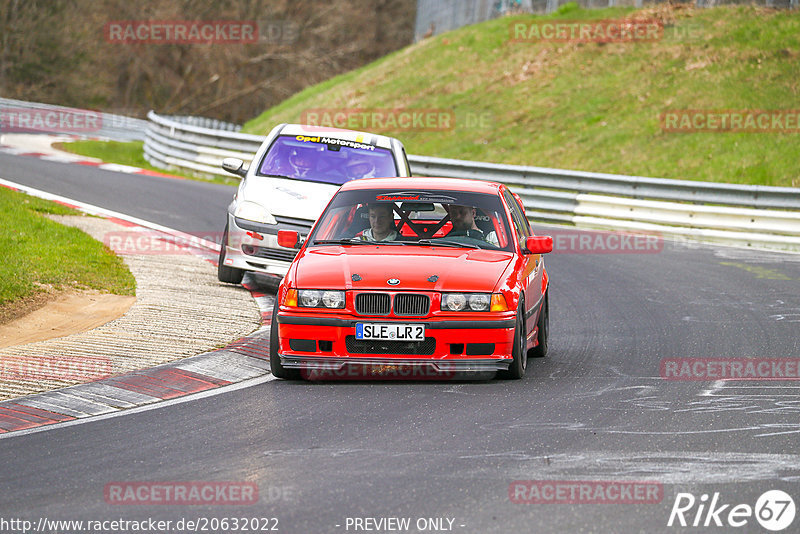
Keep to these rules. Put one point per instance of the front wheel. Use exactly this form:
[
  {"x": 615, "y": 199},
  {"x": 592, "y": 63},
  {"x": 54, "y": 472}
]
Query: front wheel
[
  {"x": 543, "y": 326},
  {"x": 228, "y": 275},
  {"x": 275, "y": 366},
  {"x": 519, "y": 363}
]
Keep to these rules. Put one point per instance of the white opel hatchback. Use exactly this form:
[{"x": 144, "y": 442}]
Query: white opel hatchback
[{"x": 289, "y": 182}]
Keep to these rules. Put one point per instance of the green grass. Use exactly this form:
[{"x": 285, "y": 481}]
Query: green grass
[
  {"x": 39, "y": 252},
  {"x": 590, "y": 106},
  {"x": 131, "y": 153}
]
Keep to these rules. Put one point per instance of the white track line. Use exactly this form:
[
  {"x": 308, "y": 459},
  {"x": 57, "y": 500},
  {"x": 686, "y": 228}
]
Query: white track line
[
  {"x": 103, "y": 212},
  {"x": 147, "y": 407}
]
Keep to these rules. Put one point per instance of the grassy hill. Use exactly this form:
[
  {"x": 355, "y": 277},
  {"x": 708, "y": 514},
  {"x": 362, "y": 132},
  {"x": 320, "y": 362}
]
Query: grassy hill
[{"x": 590, "y": 106}]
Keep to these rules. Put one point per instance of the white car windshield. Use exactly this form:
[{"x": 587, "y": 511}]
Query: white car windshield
[{"x": 325, "y": 159}]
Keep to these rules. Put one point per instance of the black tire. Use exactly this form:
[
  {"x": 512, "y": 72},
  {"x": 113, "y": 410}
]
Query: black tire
[
  {"x": 275, "y": 366},
  {"x": 543, "y": 325},
  {"x": 520, "y": 356},
  {"x": 228, "y": 275}
]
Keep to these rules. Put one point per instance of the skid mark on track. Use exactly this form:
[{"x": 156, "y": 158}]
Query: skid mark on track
[
  {"x": 754, "y": 410},
  {"x": 670, "y": 467},
  {"x": 758, "y": 271}
]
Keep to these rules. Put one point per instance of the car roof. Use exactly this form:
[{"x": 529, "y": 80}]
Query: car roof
[
  {"x": 425, "y": 182},
  {"x": 381, "y": 141}
]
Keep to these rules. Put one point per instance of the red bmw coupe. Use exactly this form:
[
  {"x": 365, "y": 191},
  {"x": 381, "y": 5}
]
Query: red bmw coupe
[{"x": 436, "y": 273}]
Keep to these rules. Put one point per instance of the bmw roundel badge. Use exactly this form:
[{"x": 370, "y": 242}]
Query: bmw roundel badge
[{"x": 393, "y": 281}]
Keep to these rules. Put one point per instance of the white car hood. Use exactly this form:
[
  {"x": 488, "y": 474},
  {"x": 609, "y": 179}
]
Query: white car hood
[{"x": 290, "y": 198}]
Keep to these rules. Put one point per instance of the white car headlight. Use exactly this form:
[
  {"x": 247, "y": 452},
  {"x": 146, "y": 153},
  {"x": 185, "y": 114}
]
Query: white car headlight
[{"x": 254, "y": 212}]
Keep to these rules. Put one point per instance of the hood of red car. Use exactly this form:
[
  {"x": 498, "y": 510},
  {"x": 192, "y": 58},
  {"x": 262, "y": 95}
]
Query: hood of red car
[{"x": 416, "y": 268}]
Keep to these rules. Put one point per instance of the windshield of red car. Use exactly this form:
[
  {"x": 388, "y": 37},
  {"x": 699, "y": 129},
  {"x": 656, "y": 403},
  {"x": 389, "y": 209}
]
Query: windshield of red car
[
  {"x": 392, "y": 217},
  {"x": 325, "y": 160}
]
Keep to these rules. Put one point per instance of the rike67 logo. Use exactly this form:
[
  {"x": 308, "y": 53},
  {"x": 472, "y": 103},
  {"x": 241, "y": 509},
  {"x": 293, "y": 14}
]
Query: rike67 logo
[{"x": 774, "y": 510}]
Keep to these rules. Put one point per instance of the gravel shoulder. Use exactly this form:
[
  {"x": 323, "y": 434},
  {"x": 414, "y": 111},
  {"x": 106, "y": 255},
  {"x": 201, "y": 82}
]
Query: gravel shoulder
[{"x": 181, "y": 310}]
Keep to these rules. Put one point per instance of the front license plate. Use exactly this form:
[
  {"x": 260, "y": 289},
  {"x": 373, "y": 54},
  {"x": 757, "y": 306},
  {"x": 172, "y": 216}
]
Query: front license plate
[{"x": 390, "y": 332}]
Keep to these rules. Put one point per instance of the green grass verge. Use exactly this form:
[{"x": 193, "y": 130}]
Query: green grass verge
[
  {"x": 39, "y": 252},
  {"x": 590, "y": 106},
  {"x": 131, "y": 153}
]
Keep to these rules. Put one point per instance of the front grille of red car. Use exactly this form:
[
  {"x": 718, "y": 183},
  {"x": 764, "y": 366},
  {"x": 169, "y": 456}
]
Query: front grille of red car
[
  {"x": 409, "y": 304},
  {"x": 405, "y": 304},
  {"x": 372, "y": 346},
  {"x": 373, "y": 303}
]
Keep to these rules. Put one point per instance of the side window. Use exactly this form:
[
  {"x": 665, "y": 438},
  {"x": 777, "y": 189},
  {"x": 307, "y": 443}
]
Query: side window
[
  {"x": 525, "y": 220},
  {"x": 518, "y": 216}
]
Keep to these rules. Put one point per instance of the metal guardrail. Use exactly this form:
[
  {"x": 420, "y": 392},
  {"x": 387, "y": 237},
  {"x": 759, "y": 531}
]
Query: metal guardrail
[
  {"x": 171, "y": 144},
  {"x": 759, "y": 216},
  {"x": 47, "y": 118},
  {"x": 205, "y": 122},
  {"x": 438, "y": 16}
]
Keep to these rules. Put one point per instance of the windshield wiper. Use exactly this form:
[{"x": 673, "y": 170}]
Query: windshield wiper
[
  {"x": 443, "y": 244},
  {"x": 348, "y": 241}
]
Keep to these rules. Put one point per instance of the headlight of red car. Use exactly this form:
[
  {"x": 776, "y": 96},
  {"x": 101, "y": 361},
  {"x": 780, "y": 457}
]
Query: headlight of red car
[
  {"x": 320, "y": 298},
  {"x": 466, "y": 302}
]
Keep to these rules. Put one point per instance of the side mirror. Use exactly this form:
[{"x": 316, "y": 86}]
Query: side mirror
[
  {"x": 288, "y": 238},
  {"x": 539, "y": 244},
  {"x": 234, "y": 166}
]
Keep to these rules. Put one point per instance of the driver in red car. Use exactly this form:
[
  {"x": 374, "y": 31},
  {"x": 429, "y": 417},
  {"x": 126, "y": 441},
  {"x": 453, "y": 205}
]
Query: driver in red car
[
  {"x": 381, "y": 222},
  {"x": 463, "y": 219}
]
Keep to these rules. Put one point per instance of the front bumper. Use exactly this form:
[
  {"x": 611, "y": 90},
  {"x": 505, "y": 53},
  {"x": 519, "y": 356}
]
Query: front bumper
[
  {"x": 450, "y": 345},
  {"x": 472, "y": 365}
]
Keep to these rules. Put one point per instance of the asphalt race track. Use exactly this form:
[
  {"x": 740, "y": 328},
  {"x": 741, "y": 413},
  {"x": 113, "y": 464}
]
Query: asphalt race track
[{"x": 596, "y": 409}]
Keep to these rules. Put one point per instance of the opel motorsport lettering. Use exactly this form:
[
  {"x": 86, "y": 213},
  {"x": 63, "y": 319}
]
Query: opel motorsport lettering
[
  {"x": 438, "y": 273},
  {"x": 291, "y": 178}
]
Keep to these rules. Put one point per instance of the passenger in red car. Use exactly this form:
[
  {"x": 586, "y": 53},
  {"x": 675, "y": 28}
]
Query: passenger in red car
[{"x": 381, "y": 222}]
